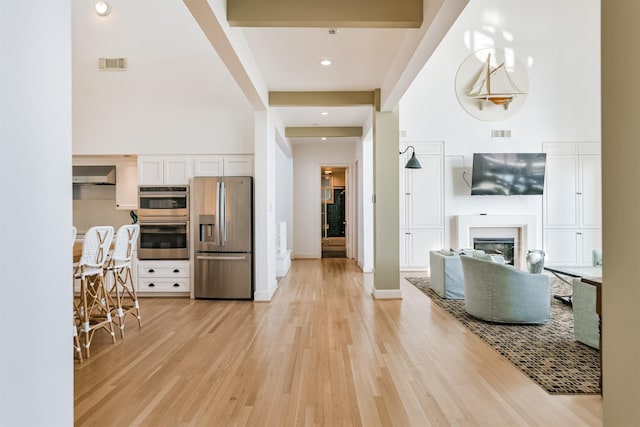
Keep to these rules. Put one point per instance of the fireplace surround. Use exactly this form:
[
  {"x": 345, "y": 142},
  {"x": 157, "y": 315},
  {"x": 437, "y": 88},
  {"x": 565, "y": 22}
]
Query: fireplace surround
[{"x": 520, "y": 227}]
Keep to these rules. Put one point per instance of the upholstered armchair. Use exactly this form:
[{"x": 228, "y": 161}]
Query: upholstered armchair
[
  {"x": 500, "y": 293},
  {"x": 446, "y": 278}
]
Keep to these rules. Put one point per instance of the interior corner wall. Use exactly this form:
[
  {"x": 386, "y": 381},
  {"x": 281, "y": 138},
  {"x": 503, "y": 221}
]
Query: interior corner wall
[
  {"x": 36, "y": 357},
  {"x": 560, "y": 45},
  {"x": 307, "y": 159},
  {"x": 365, "y": 205},
  {"x": 284, "y": 192},
  {"x": 175, "y": 97}
]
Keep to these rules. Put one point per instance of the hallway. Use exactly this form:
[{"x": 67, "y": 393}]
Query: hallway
[{"x": 322, "y": 352}]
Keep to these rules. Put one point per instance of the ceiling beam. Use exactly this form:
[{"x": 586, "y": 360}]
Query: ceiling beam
[
  {"x": 325, "y": 13},
  {"x": 323, "y": 99},
  {"x": 323, "y": 131}
]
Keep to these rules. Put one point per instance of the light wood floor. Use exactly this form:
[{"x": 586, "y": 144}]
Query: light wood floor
[{"x": 322, "y": 352}]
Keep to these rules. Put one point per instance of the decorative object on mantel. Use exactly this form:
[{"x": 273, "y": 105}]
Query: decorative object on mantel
[
  {"x": 535, "y": 261},
  {"x": 492, "y": 84},
  {"x": 548, "y": 354}
]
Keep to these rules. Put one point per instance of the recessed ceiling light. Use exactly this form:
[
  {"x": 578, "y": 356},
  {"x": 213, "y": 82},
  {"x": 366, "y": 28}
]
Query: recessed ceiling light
[
  {"x": 326, "y": 62},
  {"x": 102, "y": 8},
  {"x": 325, "y": 113},
  {"x": 324, "y": 138}
]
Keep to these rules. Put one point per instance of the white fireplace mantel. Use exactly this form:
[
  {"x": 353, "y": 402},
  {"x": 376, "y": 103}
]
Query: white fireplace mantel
[{"x": 526, "y": 223}]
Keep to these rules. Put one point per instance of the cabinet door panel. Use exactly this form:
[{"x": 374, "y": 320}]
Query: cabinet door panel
[
  {"x": 591, "y": 189},
  {"x": 404, "y": 259},
  {"x": 560, "y": 207},
  {"x": 208, "y": 166},
  {"x": 561, "y": 247},
  {"x": 426, "y": 187},
  {"x": 150, "y": 171},
  {"x": 126, "y": 186},
  {"x": 238, "y": 166},
  {"x": 177, "y": 171},
  {"x": 423, "y": 241}
]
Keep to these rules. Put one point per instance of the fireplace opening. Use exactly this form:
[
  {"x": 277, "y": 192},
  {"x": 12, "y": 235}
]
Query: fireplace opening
[{"x": 496, "y": 245}]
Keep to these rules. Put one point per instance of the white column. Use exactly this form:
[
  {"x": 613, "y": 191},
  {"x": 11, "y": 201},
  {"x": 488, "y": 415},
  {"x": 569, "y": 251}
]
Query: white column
[
  {"x": 36, "y": 356},
  {"x": 621, "y": 210},
  {"x": 386, "y": 215},
  {"x": 264, "y": 208}
]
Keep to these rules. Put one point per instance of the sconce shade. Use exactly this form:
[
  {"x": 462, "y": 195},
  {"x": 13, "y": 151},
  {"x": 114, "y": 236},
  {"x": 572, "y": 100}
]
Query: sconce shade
[{"x": 413, "y": 163}]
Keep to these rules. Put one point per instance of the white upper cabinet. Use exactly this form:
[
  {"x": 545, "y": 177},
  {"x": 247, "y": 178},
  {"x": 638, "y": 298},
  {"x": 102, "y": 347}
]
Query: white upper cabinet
[
  {"x": 164, "y": 170},
  {"x": 573, "y": 186},
  {"x": 223, "y": 165},
  {"x": 572, "y": 214}
]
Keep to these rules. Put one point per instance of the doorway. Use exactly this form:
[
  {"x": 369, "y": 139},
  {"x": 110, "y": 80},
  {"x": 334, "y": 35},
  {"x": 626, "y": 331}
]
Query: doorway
[{"x": 333, "y": 227}]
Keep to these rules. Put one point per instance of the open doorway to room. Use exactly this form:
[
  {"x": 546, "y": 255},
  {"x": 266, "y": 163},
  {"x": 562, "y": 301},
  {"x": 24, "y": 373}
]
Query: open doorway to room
[{"x": 333, "y": 227}]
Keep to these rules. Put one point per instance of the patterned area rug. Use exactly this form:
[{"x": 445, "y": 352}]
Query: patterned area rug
[{"x": 548, "y": 354}]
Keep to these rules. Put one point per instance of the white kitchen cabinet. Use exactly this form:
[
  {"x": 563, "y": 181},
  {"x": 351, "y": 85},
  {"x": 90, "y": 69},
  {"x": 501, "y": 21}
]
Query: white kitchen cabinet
[
  {"x": 421, "y": 205},
  {"x": 164, "y": 170},
  {"x": 572, "y": 202},
  {"x": 238, "y": 165},
  {"x": 163, "y": 276},
  {"x": 223, "y": 165},
  {"x": 126, "y": 186}
]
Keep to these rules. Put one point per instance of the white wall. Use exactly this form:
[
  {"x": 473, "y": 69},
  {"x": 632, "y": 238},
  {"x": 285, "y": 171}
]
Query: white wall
[
  {"x": 560, "y": 43},
  {"x": 307, "y": 159},
  {"x": 36, "y": 366},
  {"x": 175, "y": 97},
  {"x": 284, "y": 192}
]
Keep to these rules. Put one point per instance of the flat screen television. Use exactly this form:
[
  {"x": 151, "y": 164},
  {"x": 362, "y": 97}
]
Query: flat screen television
[{"x": 508, "y": 174}]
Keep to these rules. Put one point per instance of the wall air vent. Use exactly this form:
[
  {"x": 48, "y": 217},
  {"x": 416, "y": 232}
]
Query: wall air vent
[
  {"x": 501, "y": 133},
  {"x": 112, "y": 64}
]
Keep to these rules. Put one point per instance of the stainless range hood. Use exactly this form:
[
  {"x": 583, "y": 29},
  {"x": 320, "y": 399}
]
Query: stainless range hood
[{"x": 98, "y": 175}]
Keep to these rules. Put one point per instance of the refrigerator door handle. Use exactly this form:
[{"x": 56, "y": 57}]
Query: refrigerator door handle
[
  {"x": 218, "y": 217},
  {"x": 223, "y": 241},
  {"x": 222, "y": 258}
]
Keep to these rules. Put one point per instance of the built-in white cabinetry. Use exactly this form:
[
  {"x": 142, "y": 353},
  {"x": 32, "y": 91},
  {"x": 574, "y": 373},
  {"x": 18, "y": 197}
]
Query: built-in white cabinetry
[
  {"x": 572, "y": 202},
  {"x": 223, "y": 165},
  {"x": 126, "y": 185},
  {"x": 421, "y": 205},
  {"x": 163, "y": 276},
  {"x": 164, "y": 170}
]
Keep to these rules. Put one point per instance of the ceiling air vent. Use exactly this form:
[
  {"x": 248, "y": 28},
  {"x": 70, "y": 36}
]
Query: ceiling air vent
[{"x": 112, "y": 64}]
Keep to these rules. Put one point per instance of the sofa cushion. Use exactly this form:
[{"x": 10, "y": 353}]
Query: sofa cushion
[{"x": 489, "y": 257}]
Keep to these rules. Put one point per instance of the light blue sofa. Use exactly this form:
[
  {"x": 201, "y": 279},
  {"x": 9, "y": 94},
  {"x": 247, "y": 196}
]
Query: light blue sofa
[
  {"x": 585, "y": 319},
  {"x": 500, "y": 293}
]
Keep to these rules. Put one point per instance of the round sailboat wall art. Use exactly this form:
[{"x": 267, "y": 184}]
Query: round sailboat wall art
[{"x": 492, "y": 84}]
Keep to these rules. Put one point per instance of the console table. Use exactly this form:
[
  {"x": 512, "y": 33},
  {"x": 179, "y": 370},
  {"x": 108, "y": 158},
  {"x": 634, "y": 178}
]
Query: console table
[{"x": 591, "y": 276}]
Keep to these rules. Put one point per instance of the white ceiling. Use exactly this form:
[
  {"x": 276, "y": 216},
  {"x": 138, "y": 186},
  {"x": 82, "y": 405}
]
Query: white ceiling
[{"x": 364, "y": 59}]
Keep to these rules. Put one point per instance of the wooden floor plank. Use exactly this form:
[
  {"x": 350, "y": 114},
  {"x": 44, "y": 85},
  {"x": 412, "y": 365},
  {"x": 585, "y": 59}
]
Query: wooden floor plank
[{"x": 323, "y": 352}]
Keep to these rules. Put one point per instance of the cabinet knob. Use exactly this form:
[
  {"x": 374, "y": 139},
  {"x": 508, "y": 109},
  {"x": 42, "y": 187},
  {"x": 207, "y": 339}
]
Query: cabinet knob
[
  {"x": 579, "y": 194},
  {"x": 176, "y": 285},
  {"x": 151, "y": 270},
  {"x": 176, "y": 270},
  {"x": 151, "y": 285},
  {"x": 407, "y": 194}
]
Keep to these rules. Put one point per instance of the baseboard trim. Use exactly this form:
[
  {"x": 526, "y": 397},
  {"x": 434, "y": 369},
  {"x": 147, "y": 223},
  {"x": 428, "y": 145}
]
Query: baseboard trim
[
  {"x": 387, "y": 293},
  {"x": 265, "y": 296}
]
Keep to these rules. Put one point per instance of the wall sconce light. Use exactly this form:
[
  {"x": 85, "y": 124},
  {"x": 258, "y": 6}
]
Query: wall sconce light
[
  {"x": 102, "y": 8},
  {"x": 413, "y": 163}
]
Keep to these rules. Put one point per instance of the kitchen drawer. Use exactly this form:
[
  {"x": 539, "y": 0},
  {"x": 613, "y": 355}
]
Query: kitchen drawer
[
  {"x": 163, "y": 284},
  {"x": 165, "y": 269}
]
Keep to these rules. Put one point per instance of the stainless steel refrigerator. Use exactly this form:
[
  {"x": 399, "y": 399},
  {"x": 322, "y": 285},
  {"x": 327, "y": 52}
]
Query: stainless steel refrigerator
[{"x": 222, "y": 214}]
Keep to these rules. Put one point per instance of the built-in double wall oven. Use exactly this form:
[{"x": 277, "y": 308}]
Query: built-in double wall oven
[{"x": 163, "y": 215}]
